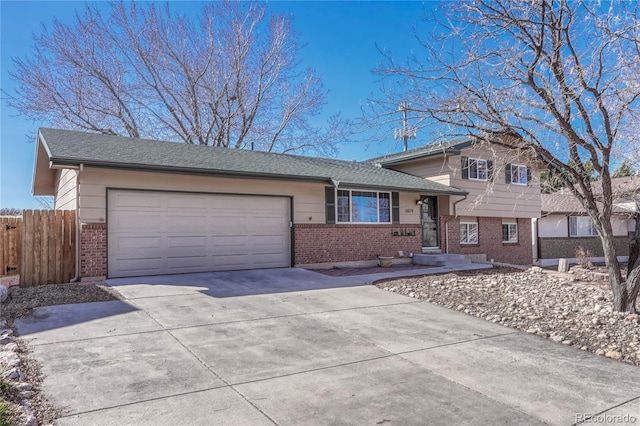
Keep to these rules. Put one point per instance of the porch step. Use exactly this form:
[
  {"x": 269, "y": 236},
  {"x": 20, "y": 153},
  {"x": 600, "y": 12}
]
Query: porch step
[
  {"x": 431, "y": 250},
  {"x": 440, "y": 259}
]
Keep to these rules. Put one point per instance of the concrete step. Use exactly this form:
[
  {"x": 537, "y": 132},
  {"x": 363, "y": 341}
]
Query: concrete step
[
  {"x": 440, "y": 259},
  {"x": 431, "y": 250}
]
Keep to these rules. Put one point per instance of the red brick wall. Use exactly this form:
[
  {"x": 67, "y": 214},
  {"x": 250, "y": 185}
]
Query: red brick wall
[
  {"x": 489, "y": 240},
  {"x": 320, "y": 243},
  {"x": 93, "y": 250}
]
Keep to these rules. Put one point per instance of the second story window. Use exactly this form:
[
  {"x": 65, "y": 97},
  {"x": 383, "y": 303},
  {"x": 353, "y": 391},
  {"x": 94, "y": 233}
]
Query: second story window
[
  {"x": 476, "y": 169},
  {"x": 517, "y": 174}
]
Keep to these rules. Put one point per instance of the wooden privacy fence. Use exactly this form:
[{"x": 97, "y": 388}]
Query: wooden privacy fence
[
  {"x": 41, "y": 246},
  {"x": 11, "y": 243}
]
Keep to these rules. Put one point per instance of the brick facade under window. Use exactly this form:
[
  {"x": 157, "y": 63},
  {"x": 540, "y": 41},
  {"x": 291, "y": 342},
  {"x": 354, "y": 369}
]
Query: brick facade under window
[
  {"x": 555, "y": 248},
  {"x": 489, "y": 240},
  {"x": 320, "y": 243},
  {"x": 93, "y": 250}
]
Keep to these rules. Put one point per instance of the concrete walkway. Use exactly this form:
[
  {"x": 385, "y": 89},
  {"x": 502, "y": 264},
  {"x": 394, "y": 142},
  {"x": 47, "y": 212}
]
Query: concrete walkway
[{"x": 294, "y": 347}]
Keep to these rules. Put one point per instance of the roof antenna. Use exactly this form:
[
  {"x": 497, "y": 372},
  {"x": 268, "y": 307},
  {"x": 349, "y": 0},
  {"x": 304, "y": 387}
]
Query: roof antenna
[{"x": 405, "y": 132}]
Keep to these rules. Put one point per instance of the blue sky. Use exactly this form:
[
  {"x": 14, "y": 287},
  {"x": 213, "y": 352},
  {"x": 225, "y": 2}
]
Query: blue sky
[{"x": 340, "y": 40}]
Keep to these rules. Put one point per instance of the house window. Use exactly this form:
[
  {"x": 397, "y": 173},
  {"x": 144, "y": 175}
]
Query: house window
[
  {"x": 478, "y": 169},
  {"x": 581, "y": 226},
  {"x": 509, "y": 232},
  {"x": 363, "y": 207},
  {"x": 519, "y": 174},
  {"x": 468, "y": 233}
]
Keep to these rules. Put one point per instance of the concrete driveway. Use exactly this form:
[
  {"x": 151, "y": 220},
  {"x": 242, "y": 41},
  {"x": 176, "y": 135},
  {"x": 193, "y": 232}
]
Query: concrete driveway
[{"x": 294, "y": 347}]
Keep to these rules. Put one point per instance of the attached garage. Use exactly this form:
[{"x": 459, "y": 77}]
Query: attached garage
[
  {"x": 147, "y": 207},
  {"x": 157, "y": 232}
]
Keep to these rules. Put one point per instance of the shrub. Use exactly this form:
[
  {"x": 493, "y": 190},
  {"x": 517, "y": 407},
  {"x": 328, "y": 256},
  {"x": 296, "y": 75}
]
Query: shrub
[{"x": 583, "y": 256}]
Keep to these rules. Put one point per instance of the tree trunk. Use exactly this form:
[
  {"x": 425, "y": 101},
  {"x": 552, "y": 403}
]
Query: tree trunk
[
  {"x": 618, "y": 286},
  {"x": 634, "y": 245},
  {"x": 632, "y": 284}
]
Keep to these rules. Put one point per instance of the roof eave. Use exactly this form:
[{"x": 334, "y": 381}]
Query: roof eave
[
  {"x": 352, "y": 185},
  {"x": 66, "y": 162},
  {"x": 43, "y": 179},
  {"x": 62, "y": 162}
]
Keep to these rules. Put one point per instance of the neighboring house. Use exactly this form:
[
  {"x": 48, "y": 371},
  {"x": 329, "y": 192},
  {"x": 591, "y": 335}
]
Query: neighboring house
[
  {"x": 149, "y": 207},
  {"x": 493, "y": 221},
  {"x": 564, "y": 224}
]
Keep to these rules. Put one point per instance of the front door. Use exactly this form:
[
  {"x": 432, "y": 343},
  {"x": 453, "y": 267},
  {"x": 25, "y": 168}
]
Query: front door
[{"x": 429, "y": 215}]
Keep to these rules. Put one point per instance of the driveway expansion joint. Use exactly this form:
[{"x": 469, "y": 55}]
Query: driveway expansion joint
[
  {"x": 227, "y": 384},
  {"x": 637, "y": 398}
]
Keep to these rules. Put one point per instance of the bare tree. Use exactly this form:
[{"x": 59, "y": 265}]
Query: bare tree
[
  {"x": 556, "y": 80},
  {"x": 229, "y": 77},
  {"x": 10, "y": 211}
]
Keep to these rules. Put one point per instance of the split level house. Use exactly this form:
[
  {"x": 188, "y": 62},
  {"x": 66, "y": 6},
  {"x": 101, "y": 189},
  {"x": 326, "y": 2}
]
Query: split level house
[{"x": 148, "y": 207}]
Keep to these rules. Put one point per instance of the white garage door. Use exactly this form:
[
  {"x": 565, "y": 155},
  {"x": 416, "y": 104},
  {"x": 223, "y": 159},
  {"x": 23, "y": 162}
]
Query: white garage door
[{"x": 152, "y": 233}]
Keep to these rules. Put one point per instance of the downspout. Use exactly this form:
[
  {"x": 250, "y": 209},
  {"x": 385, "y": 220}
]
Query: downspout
[
  {"x": 78, "y": 228},
  {"x": 446, "y": 225},
  {"x": 455, "y": 206}
]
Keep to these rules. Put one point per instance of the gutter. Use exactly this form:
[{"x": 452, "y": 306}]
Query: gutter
[
  {"x": 78, "y": 227},
  {"x": 455, "y": 205}
]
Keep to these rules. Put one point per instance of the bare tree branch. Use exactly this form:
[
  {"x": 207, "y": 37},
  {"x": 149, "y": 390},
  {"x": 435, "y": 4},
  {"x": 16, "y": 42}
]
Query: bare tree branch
[
  {"x": 561, "y": 78},
  {"x": 228, "y": 77}
]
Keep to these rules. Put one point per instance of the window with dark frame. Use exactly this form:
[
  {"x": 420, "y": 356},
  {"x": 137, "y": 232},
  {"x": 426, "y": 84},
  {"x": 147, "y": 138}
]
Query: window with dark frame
[
  {"x": 478, "y": 169},
  {"x": 519, "y": 174},
  {"x": 363, "y": 206}
]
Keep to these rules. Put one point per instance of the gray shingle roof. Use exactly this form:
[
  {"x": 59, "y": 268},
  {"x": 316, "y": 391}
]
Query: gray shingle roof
[
  {"x": 70, "y": 148},
  {"x": 425, "y": 151},
  {"x": 625, "y": 189}
]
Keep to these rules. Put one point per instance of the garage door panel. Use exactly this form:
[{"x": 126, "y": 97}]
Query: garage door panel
[
  {"x": 187, "y": 222},
  {"x": 176, "y": 232},
  {"x": 135, "y": 221},
  {"x": 187, "y": 241},
  {"x": 123, "y": 200},
  {"x": 268, "y": 241},
  {"x": 187, "y": 262},
  {"x": 187, "y": 202},
  {"x": 124, "y": 242},
  {"x": 146, "y": 264}
]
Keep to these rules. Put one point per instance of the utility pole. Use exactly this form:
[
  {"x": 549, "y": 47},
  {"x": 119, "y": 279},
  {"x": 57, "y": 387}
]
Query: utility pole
[{"x": 405, "y": 132}]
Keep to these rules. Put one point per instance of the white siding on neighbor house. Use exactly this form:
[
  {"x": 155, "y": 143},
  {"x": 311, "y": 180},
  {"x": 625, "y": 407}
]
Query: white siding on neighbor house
[
  {"x": 308, "y": 198},
  {"x": 557, "y": 226},
  {"x": 485, "y": 199},
  {"x": 65, "y": 190}
]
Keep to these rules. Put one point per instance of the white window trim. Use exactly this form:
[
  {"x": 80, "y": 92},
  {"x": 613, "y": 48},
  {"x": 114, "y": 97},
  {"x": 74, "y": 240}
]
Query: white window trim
[
  {"x": 517, "y": 167},
  {"x": 486, "y": 169},
  {"x": 509, "y": 231},
  {"x": 579, "y": 235},
  {"x": 477, "y": 233},
  {"x": 351, "y": 206}
]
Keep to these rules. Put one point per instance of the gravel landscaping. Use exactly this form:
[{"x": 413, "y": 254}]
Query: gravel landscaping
[
  {"x": 571, "y": 309},
  {"x": 21, "y": 403}
]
